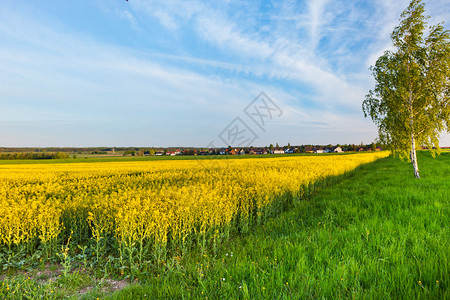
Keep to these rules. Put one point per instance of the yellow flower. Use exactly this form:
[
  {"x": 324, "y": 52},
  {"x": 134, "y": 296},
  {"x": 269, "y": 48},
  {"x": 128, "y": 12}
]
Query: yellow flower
[{"x": 153, "y": 202}]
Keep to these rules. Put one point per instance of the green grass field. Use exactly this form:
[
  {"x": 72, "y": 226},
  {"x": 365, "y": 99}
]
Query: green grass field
[
  {"x": 373, "y": 233},
  {"x": 98, "y": 158}
]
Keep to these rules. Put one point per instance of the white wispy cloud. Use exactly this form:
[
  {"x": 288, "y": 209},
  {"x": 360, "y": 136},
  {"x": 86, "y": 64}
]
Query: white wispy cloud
[{"x": 316, "y": 12}]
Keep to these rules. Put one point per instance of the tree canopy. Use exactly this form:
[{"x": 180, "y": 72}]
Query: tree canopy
[{"x": 410, "y": 101}]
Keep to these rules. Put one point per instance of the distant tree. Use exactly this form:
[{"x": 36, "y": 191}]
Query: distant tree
[
  {"x": 151, "y": 151},
  {"x": 410, "y": 103},
  {"x": 277, "y": 146},
  {"x": 129, "y": 153},
  {"x": 61, "y": 155},
  {"x": 140, "y": 152}
]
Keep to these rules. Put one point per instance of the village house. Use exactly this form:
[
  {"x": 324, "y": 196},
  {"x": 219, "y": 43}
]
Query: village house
[
  {"x": 259, "y": 151},
  {"x": 289, "y": 150},
  {"x": 309, "y": 149},
  {"x": 337, "y": 150},
  {"x": 173, "y": 153},
  {"x": 277, "y": 151}
]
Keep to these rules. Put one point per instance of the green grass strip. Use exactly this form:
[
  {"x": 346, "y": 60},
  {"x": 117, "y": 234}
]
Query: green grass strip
[{"x": 374, "y": 233}]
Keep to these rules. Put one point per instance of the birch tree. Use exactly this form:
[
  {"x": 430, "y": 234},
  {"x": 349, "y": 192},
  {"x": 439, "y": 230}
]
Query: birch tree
[{"x": 410, "y": 101}]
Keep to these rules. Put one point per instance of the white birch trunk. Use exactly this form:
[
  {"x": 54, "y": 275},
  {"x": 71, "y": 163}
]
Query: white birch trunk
[
  {"x": 413, "y": 141},
  {"x": 414, "y": 157}
]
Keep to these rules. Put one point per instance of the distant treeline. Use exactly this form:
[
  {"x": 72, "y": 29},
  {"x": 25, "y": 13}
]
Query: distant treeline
[
  {"x": 56, "y": 149},
  {"x": 80, "y": 150},
  {"x": 34, "y": 155}
]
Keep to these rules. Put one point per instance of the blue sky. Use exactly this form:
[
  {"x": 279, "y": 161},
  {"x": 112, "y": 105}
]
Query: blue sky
[{"x": 177, "y": 73}]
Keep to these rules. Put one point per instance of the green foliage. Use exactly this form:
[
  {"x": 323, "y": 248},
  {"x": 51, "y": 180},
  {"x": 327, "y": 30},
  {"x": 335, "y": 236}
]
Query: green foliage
[
  {"x": 34, "y": 155},
  {"x": 129, "y": 153},
  {"x": 410, "y": 102},
  {"x": 33, "y": 285}
]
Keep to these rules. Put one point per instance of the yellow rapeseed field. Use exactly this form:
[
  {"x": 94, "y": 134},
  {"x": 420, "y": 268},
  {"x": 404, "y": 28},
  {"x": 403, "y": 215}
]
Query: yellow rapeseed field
[{"x": 144, "y": 207}]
